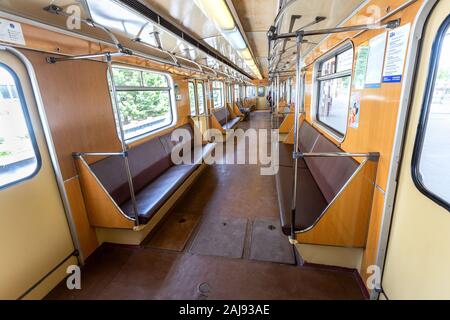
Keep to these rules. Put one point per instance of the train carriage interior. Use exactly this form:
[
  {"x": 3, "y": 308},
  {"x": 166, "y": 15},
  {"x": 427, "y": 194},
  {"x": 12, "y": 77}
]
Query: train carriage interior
[{"x": 224, "y": 150}]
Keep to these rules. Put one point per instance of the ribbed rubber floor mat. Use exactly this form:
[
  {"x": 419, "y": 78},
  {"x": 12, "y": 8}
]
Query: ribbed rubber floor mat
[
  {"x": 223, "y": 237},
  {"x": 268, "y": 243}
]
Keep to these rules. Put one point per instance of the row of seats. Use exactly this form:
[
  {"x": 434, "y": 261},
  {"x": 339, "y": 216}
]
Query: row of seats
[
  {"x": 250, "y": 104},
  {"x": 225, "y": 118},
  {"x": 155, "y": 177},
  {"x": 319, "y": 179}
]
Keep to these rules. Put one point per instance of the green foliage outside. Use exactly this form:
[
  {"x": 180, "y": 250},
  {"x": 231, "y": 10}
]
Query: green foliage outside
[
  {"x": 141, "y": 105},
  {"x": 192, "y": 98}
]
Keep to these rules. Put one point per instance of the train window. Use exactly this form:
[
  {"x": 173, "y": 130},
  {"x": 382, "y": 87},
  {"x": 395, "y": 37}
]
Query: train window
[
  {"x": 201, "y": 98},
  {"x": 333, "y": 84},
  {"x": 218, "y": 94},
  {"x": 145, "y": 103},
  {"x": 192, "y": 100},
  {"x": 236, "y": 92},
  {"x": 19, "y": 155},
  {"x": 250, "y": 92},
  {"x": 431, "y": 159}
]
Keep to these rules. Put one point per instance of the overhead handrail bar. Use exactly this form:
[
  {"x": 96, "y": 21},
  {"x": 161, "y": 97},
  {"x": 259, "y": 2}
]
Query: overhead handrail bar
[
  {"x": 121, "y": 50},
  {"x": 59, "y": 11},
  {"x": 317, "y": 20},
  {"x": 283, "y": 11},
  {"x": 376, "y": 26},
  {"x": 158, "y": 48},
  {"x": 389, "y": 25}
]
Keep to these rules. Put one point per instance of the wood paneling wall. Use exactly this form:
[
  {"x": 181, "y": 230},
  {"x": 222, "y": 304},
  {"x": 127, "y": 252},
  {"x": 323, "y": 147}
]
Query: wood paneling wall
[
  {"x": 379, "y": 112},
  {"x": 78, "y": 106}
]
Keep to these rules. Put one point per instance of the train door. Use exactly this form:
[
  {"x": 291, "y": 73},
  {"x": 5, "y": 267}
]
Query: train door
[
  {"x": 418, "y": 254},
  {"x": 35, "y": 237}
]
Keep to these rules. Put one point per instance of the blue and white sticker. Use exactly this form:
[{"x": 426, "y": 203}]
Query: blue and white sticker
[
  {"x": 396, "y": 54},
  {"x": 11, "y": 32}
]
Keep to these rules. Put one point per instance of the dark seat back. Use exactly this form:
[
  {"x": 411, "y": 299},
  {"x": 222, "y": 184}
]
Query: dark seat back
[
  {"x": 222, "y": 115},
  {"x": 330, "y": 174},
  {"x": 308, "y": 137},
  {"x": 147, "y": 162},
  {"x": 166, "y": 139}
]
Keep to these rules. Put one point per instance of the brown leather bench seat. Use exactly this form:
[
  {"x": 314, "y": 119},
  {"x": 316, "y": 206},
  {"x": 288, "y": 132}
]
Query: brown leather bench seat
[
  {"x": 319, "y": 179},
  {"x": 155, "y": 177},
  {"x": 224, "y": 117},
  {"x": 245, "y": 111}
]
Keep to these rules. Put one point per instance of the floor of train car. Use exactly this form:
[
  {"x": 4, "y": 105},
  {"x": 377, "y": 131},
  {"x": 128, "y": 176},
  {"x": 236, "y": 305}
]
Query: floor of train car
[{"x": 221, "y": 241}]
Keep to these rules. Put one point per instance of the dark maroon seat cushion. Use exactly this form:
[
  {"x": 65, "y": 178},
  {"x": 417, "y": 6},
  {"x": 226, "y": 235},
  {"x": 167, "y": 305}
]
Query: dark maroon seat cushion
[
  {"x": 223, "y": 116},
  {"x": 111, "y": 173},
  {"x": 155, "y": 178},
  {"x": 231, "y": 123},
  {"x": 308, "y": 137},
  {"x": 150, "y": 199},
  {"x": 331, "y": 174},
  {"x": 167, "y": 142},
  {"x": 319, "y": 179},
  {"x": 147, "y": 162},
  {"x": 310, "y": 201}
]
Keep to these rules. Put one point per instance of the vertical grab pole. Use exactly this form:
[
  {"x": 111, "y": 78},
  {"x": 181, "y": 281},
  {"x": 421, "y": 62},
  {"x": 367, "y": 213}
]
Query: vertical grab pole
[
  {"x": 278, "y": 94},
  {"x": 116, "y": 112},
  {"x": 210, "y": 102},
  {"x": 273, "y": 96},
  {"x": 298, "y": 103}
]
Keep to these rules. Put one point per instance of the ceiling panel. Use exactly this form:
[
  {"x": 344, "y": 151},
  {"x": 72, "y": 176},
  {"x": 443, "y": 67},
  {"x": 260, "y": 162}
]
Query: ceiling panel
[
  {"x": 257, "y": 16},
  {"x": 187, "y": 14}
]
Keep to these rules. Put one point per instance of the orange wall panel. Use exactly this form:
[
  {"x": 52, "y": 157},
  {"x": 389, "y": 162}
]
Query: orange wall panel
[{"x": 378, "y": 113}]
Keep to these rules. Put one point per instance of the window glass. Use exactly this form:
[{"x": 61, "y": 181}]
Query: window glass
[
  {"x": 144, "y": 101},
  {"x": 433, "y": 155},
  {"x": 127, "y": 77},
  {"x": 201, "y": 98},
  {"x": 192, "y": 99},
  {"x": 154, "y": 80},
  {"x": 328, "y": 67},
  {"x": 236, "y": 93},
  {"x": 250, "y": 92},
  {"x": 218, "y": 94},
  {"x": 334, "y": 91},
  {"x": 344, "y": 61},
  {"x": 19, "y": 158}
]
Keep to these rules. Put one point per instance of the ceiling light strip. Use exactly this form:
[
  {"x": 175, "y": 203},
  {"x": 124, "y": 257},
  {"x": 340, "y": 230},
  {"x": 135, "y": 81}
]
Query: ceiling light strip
[{"x": 162, "y": 22}]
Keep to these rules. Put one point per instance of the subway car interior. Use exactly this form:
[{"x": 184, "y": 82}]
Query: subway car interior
[{"x": 224, "y": 150}]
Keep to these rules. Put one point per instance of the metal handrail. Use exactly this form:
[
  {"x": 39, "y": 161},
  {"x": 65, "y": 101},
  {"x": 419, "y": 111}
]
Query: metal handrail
[
  {"x": 99, "y": 154},
  {"x": 124, "y": 155},
  {"x": 368, "y": 155}
]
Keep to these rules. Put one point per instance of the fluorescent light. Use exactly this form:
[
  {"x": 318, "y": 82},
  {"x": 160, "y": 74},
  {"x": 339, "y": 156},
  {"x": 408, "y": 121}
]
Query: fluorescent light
[
  {"x": 234, "y": 37},
  {"x": 217, "y": 11},
  {"x": 245, "y": 54}
]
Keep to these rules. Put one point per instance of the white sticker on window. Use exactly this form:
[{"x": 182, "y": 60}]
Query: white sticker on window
[{"x": 11, "y": 32}]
